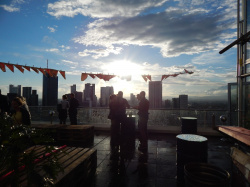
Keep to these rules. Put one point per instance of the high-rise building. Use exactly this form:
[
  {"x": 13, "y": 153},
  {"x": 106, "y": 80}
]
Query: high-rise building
[
  {"x": 167, "y": 103},
  {"x": 78, "y": 96},
  {"x": 27, "y": 94},
  {"x": 175, "y": 103},
  {"x": 15, "y": 89},
  {"x": 155, "y": 94},
  {"x": 73, "y": 89},
  {"x": 34, "y": 98},
  {"x": 89, "y": 98},
  {"x": 50, "y": 91},
  {"x": 105, "y": 93},
  {"x": 183, "y": 101},
  {"x": 133, "y": 100}
]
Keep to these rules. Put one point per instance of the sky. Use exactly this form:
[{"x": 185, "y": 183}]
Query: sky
[{"x": 126, "y": 37}]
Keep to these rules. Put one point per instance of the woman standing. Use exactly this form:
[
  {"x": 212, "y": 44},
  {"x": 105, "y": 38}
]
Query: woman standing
[{"x": 21, "y": 115}]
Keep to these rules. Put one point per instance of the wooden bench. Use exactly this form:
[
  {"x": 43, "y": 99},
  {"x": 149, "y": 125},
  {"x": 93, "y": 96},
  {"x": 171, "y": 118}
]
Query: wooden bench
[
  {"x": 70, "y": 134},
  {"x": 238, "y": 133},
  {"x": 240, "y": 159},
  {"x": 79, "y": 166}
]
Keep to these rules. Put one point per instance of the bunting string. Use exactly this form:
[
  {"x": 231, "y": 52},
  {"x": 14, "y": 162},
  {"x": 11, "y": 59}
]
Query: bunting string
[
  {"x": 45, "y": 71},
  {"x": 84, "y": 76}
]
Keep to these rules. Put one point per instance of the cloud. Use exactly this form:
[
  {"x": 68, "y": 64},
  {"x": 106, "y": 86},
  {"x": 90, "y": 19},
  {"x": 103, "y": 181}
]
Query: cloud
[
  {"x": 101, "y": 8},
  {"x": 52, "y": 29},
  {"x": 52, "y": 50},
  {"x": 174, "y": 32},
  {"x": 49, "y": 40},
  {"x": 10, "y": 8}
]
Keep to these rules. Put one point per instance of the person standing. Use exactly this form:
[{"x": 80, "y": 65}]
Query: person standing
[
  {"x": 64, "y": 105},
  {"x": 121, "y": 116},
  {"x": 73, "y": 104},
  {"x": 143, "y": 108}
]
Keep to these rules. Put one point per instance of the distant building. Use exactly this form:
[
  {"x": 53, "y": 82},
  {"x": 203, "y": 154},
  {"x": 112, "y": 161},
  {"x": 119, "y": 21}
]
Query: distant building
[
  {"x": 73, "y": 89},
  {"x": 175, "y": 103},
  {"x": 183, "y": 101},
  {"x": 89, "y": 98},
  {"x": 167, "y": 103},
  {"x": 15, "y": 89},
  {"x": 105, "y": 93},
  {"x": 78, "y": 96},
  {"x": 50, "y": 90},
  {"x": 155, "y": 94},
  {"x": 34, "y": 98},
  {"x": 27, "y": 94},
  {"x": 133, "y": 100}
]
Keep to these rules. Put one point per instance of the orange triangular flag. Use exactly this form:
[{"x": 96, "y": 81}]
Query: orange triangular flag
[
  {"x": 42, "y": 71},
  {"x": 149, "y": 77},
  {"x": 47, "y": 71},
  {"x": 34, "y": 69},
  {"x": 2, "y": 66},
  {"x": 144, "y": 77},
  {"x": 63, "y": 74},
  {"x": 92, "y": 75},
  {"x": 84, "y": 76},
  {"x": 19, "y": 67},
  {"x": 27, "y": 68},
  {"x": 100, "y": 76},
  {"x": 10, "y": 66},
  {"x": 54, "y": 72}
]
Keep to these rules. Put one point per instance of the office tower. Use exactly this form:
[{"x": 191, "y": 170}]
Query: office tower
[
  {"x": 133, "y": 100},
  {"x": 167, "y": 103},
  {"x": 183, "y": 100},
  {"x": 105, "y": 93},
  {"x": 78, "y": 96},
  {"x": 73, "y": 89},
  {"x": 50, "y": 90},
  {"x": 155, "y": 94},
  {"x": 89, "y": 98},
  {"x": 34, "y": 98},
  {"x": 175, "y": 103},
  {"x": 27, "y": 94},
  {"x": 15, "y": 89}
]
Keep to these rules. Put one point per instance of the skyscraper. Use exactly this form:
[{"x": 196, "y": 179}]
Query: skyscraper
[
  {"x": 15, "y": 89},
  {"x": 89, "y": 95},
  {"x": 155, "y": 94},
  {"x": 34, "y": 98},
  {"x": 105, "y": 93},
  {"x": 27, "y": 94},
  {"x": 73, "y": 88},
  {"x": 175, "y": 103},
  {"x": 183, "y": 100},
  {"x": 50, "y": 90}
]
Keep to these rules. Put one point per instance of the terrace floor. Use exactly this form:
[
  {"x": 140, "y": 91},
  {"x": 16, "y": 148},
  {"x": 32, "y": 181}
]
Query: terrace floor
[{"x": 157, "y": 167}]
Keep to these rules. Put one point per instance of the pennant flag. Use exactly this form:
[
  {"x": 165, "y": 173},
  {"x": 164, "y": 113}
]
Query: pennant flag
[
  {"x": 19, "y": 67},
  {"x": 42, "y": 71},
  {"x": 108, "y": 77},
  {"x": 100, "y": 76},
  {"x": 11, "y": 67},
  {"x": 144, "y": 77},
  {"x": 47, "y": 71},
  {"x": 92, "y": 75},
  {"x": 27, "y": 68},
  {"x": 54, "y": 72},
  {"x": 164, "y": 77},
  {"x": 63, "y": 74},
  {"x": 34, "y": 69},
  {"x": 84, "y": 76},
  {"x": 174, "y": 75},
  {"x": 148, "y": 77},
  {"x": 2, "y": 66},
  {"x": 189, "y": 72}
]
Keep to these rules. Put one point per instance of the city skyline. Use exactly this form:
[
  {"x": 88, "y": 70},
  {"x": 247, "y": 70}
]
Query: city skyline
[{"x": 152, "y": 38}]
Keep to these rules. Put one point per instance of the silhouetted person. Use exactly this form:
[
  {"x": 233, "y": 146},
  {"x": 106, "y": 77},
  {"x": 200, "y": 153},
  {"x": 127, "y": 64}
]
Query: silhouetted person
[
  {"x": 4, "y": 104},
  {"x": 143, "y": 121},
  {"x": 21, "y": 115},
  {"x": 62, "y": 109},
  {"x": 121, "y": 116},
  {"x": 73, "y": 104}
]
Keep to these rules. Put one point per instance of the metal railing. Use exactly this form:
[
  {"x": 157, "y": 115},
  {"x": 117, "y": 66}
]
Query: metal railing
[{"x": 157, "y": 117}]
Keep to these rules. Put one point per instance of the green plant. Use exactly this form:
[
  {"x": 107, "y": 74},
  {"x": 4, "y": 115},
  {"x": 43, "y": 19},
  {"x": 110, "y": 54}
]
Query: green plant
[{"x": 14, "y": 141}]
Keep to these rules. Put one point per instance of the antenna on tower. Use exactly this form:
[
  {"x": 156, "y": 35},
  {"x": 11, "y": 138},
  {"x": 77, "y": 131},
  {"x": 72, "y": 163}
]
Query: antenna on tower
[{"x": 47, "y": 64}]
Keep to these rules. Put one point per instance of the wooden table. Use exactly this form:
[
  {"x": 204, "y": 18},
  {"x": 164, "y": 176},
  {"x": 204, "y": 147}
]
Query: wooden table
[{"x": 79, "y": 166}]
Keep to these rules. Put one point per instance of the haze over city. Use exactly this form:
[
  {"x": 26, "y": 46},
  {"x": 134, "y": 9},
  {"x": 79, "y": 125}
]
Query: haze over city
[{"x": 155, "y": 38}]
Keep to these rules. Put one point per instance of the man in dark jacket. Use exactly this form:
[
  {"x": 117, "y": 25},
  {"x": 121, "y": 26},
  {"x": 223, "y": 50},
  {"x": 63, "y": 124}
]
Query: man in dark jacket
[{"x": 73, "y": 104}]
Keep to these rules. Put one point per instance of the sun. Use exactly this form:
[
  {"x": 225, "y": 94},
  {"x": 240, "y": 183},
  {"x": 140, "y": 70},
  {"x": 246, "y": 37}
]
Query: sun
[{"x": 123, "y": 68}]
